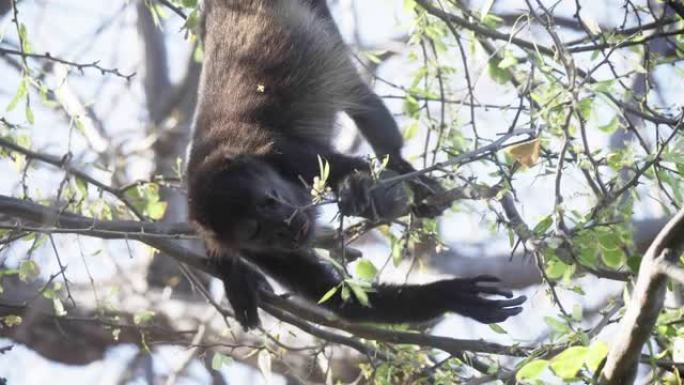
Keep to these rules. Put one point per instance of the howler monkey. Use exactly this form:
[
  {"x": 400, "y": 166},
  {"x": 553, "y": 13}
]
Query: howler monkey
[{"x": 275, "y": 74}]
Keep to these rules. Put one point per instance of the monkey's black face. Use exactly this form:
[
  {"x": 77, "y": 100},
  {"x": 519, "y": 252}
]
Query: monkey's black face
[{"x": 250, "y": 206}]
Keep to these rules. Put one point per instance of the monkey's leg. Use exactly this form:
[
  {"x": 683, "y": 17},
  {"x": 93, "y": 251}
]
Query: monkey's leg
[{"x": 309, "y": 276}]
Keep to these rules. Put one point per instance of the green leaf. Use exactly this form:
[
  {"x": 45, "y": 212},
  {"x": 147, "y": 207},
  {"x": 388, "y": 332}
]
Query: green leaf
[
  {"x": 143, "y": 317},
  {"x": 28, "y": 112},
  {"x": 22, "y": 90},
  {"x": 558, "y": 326},
  {"x": 366, "y": 270},
  {"x": 23, "y": 35},
  {"x": 543, "y": 225},
  {"x": 345, "y": 294},
  {"x": 219, "y": 360},
  {"x": 28, "y": 270},
  {"x": 359, "y": 293},
  {"x": 156, "y": 210},
  {"x": 189, "y": 3},
  {"x": 585, "y": 107},
  {"x": 555, "y": 268},
  {"x": 498, "y": 74},
  {"x": 613, "y": 258},
  {"x": 328, "y": 294},
  {"x": 532, "y": 370},
  {"x": 411, "y": 130},
  {"x": 193, "y": 20},
  {"x": 595, "y": 354},
  {"x": 605, "y": 86},
  {"x": 569, "y": 362},
  {"x": 497, "y": 329},
  {"x": 508, "y": 60},
  {"x": 610, "y": 240},
  {"x": 611, "y": 127},
  {"x": 411, "y": 106}
]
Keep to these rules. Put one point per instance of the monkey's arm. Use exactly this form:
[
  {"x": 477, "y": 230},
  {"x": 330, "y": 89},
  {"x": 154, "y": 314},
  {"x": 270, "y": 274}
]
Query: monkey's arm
[{"x": 307, "y": 275}]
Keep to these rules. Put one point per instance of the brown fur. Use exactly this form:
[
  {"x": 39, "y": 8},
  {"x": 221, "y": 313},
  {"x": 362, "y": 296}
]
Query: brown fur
[{"x": 269, "y": 69}]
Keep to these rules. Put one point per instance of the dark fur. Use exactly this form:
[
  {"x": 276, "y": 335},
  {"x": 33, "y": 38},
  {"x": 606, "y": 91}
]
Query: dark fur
[{"x": 275, "y": 74}]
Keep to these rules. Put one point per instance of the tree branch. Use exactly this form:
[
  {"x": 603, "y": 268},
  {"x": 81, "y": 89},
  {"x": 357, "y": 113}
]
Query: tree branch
[
  {"x": 645, "y": 305},
  {"x": 156, "y": 235}
]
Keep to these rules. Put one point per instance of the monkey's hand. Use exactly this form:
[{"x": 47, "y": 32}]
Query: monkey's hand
[
  {"x": 360, "y": 195},
  {"x": 464, "y": 296},
  {"x": 242, "y": 286}
]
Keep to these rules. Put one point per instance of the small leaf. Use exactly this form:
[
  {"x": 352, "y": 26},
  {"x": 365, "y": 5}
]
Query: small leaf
[
  {"x": 23, "y": 35},
  {"x": 366, "y": 270},
  {"x": 557, "y": 326},
  {"x": 555, "y": 269},
  {"x": 345, "y": 294},
  {"x": 143, "y": 317},
  {"x": 28, "y": 270},
  {"x": 219, "y": 360},
  {"x": 569, "y": 362},
  {"x": 532, "y": 370},
  {"x": 264, "y": 361},
  {"x": 411, "y": 130},
  {"x": 613, "y": 258},
  {"x": 22, "y": 90},
  {"x": 28, "y": 112},
  {"x": 328, "y": 294},
  {"x": 596, "y": 353},
  {"x": 610, "y": 240},
  {"x": 156, "y": 210},
  {"x": 585, "y": 107},
  {"x": 543, "y": 225},
  {"x": 611, "y": 127},
  {"x": 527, "y": 153},
  {"x": 498, "y": 74},
  {"x": 508, "y": 60},
  {"x": 360, "y": 294},
  {"x": 497, "y": 329}
]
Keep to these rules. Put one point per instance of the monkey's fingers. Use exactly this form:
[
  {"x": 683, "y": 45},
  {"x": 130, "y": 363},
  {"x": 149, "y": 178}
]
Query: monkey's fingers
[
  {"x": 485, "y": 278},
  {"x": 489, "y": 315},
  {"x": 494, "y": 291},
  {"x": 491, "y": 311}
]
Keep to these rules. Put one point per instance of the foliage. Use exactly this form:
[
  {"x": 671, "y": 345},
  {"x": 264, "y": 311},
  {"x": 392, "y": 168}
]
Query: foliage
[{"x": 584, "y": 100}]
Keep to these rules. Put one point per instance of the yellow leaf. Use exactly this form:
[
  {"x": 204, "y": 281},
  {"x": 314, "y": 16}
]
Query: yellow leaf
[{"x": 527, "y": 153}]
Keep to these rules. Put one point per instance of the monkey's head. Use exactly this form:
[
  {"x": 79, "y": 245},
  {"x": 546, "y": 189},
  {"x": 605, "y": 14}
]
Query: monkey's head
[{"x": 245, "y": 204}]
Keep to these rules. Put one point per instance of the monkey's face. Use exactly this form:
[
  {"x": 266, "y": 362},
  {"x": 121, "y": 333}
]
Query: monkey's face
[{"x": 249, "y": 206}]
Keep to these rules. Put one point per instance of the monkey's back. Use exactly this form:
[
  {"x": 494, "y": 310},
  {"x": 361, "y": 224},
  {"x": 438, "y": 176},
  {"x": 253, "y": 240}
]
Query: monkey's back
[{"x": 273, "y": 66}]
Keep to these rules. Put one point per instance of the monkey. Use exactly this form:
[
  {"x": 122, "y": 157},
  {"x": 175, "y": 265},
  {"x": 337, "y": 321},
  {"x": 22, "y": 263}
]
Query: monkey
[{"x": 275, "y": 73}]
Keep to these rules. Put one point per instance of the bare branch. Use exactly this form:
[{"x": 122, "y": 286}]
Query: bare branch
[{"x": 95, "y": 65}]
